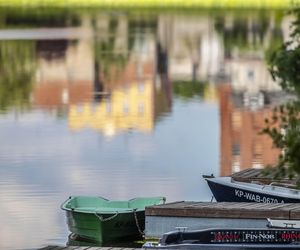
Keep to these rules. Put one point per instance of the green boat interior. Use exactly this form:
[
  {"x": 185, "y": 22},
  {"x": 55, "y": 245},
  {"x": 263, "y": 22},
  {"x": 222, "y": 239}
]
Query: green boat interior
[{"x": 88, "y": 204}]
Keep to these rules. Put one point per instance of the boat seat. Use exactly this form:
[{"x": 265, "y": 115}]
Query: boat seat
[{"x": 103, "y": 209}]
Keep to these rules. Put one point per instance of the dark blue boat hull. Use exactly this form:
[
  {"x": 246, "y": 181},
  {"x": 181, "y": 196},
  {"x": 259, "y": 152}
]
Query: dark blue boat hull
[
  {"x": 229, "y": 238},
  {"x": 224, "y": 193},
  {"x": 226, "y": 247}
]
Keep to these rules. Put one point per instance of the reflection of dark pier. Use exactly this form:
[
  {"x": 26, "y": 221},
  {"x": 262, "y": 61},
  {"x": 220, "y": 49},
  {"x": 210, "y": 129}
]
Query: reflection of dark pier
[
  {"x": 44, "y": 34},
  {"x": 98, "y": 83}
]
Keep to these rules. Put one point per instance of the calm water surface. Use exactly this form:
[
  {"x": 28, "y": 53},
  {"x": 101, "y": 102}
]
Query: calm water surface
[{"x": 123, "y": 105}]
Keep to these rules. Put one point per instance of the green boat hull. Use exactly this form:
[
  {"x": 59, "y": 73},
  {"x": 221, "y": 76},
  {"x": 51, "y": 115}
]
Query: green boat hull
[{"x": 103, "y": 221}]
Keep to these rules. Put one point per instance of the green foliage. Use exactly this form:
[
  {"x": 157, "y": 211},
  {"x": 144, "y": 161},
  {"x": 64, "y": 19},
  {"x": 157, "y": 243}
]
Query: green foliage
[
  {"x": 237, "y": 35},
  {"x": 284, "y": 129},
  {"x": 106, "y": 54},
  {"x": 284, "y": 125},
  {"x": 17, "y": 68},
  {"x": 241, "y": 4},
  {"x": 285, "y": 61},
  {"x": 188, "y": 89},
  {"x": 38, "y": 17}
]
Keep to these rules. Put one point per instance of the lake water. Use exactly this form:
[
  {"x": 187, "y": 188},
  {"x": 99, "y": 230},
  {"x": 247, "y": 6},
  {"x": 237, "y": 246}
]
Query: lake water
[{"x": 124, "y": 104}]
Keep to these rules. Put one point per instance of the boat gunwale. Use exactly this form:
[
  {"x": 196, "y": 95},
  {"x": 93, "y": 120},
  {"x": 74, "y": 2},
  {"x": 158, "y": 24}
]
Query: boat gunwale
[
  {"x": 103, "y": 212},
  {"x": 114, "y": 210},
  {"x": 254, "y": 187}
]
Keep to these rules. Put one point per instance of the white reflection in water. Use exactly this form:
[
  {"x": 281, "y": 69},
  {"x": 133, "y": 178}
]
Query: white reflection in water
[
  {"x": 27, "y": 219},
  {"x": 42, "y": 163}
]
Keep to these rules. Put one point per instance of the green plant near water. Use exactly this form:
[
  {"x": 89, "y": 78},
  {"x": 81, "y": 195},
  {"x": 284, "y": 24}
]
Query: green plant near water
[
  {"x": 153, "y": 3},
  {"x": 188, "y": 89},
  {"x": 284, "y": 126},
  {"x": 17, "y": 69},
  {"x": 106, "y": 55}
]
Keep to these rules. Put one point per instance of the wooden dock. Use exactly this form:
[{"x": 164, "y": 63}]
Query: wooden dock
[
  {"x": 257, "y": 175},
  {"x": 203, "y": 215},
  {"x": 237, "y": 210}
]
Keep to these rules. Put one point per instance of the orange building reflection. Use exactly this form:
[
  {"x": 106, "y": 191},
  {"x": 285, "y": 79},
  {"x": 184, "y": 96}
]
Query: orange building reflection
[
  {"x": 242, "y": 146},
  {"x": 116, "y": 100},
  {"x": 63, "y": 79}
]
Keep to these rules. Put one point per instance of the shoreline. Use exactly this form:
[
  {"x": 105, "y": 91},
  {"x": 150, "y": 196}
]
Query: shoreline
[{"x": 128, "y": 4}]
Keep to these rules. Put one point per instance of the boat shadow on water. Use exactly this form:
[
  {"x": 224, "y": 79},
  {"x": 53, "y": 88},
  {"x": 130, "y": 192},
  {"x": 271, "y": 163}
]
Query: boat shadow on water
[{"x": 77, "y": 240}]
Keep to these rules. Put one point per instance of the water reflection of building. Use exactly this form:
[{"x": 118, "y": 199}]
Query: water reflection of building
[
  {"x": 194, "y": 47},
  {"x": 64, "y": 72},
  {"x": 126, "y": 55},
  {"x": 250, "y": 75},
  {"x": 243, "y": 110},
  {"x": 102, "y": 83},
  {"x": 247, "y": 101},
  {"x": 229, "y": 53},
  {"x": 65, "y": 79},
  {"x": 242, "y": 146},
  {"x": 127, "y": 107}
]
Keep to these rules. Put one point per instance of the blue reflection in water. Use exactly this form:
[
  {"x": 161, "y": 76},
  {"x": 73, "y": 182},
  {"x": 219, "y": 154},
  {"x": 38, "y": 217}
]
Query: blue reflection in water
[
  {"x": 118, "y": 110},
  {"x": 42, "y": 162}
]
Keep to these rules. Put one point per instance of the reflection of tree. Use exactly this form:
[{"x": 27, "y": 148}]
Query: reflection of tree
[
  {"x": 111, "y": 56},
  {"x": 188, "y": 89},
  {"x": 43, "y": 17},
  {"x": 249, "y": 31},
  {"x": 111, "y": 62},
  {"x": 163, "y": 95},
  {"x": 284, "y": 126},
  {"x": 17, "y": 58},
  {"x": 17, "y": 68}
]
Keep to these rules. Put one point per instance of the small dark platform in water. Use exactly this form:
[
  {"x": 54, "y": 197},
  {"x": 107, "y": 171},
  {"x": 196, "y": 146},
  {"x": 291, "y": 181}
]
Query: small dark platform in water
[{"x": 203, "y": 215}]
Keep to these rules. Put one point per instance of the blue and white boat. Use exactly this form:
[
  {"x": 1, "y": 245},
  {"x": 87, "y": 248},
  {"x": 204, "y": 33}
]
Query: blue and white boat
[{"x": 225, "y": 189}]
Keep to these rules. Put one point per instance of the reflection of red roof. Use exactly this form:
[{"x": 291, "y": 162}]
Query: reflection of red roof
[
  {"x": 129, "y": 74},
  {"x": 50, "y": 94}
]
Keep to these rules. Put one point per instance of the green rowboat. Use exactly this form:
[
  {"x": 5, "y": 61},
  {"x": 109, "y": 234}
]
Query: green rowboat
[{"x": 102, "y": 220}]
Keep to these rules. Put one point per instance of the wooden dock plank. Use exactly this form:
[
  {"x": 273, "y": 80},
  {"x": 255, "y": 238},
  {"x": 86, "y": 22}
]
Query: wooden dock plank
[
  {"x": 226, "y": 210},
  {"x": 52, "y": 247},
  {"x": 58, "y": 248},
  {"x": 77, "y": 247},
  {"x": 179, "y": 204},
  {"x": 48, "y": 248},
  {"x": 257, "y": 175},
  {"x": 295, "y": 212}
]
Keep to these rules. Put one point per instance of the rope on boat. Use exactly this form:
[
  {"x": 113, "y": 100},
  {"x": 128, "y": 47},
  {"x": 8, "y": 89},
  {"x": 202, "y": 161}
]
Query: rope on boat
[
  {"x": 100, "y": 217},
  {"x": 137, "y": 223}
]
